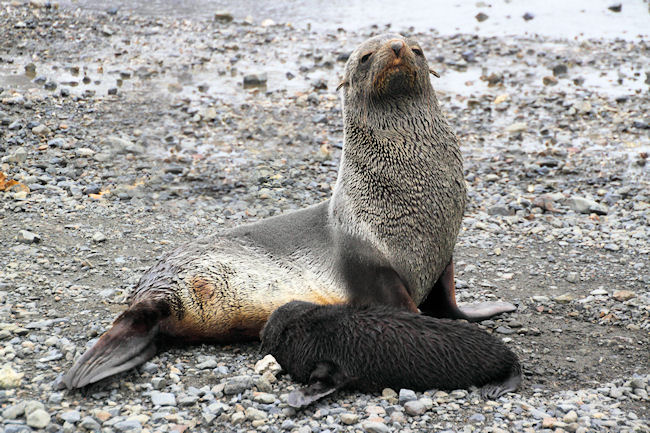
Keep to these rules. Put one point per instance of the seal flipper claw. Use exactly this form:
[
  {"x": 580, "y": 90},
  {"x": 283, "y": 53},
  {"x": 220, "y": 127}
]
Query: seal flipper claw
[{"x": 130, "y": 341}]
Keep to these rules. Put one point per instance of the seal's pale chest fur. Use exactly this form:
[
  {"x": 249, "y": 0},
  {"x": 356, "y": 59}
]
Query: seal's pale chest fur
[{"x": 401, "y": 187}]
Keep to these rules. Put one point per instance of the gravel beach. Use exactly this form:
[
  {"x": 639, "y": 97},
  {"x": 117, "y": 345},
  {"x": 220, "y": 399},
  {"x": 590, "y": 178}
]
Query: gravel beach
[{"x": 123, "y": 135}]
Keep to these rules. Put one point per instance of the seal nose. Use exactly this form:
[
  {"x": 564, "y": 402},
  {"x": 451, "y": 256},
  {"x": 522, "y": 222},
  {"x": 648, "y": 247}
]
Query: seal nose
[{"x": 397, "y": 46}]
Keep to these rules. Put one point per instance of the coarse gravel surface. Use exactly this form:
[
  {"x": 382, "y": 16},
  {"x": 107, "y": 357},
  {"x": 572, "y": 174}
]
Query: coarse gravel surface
[{"x": 127, "y": 135}]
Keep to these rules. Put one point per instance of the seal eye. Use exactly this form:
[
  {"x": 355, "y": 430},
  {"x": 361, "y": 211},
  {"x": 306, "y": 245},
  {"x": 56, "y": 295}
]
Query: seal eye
[
  {"x": 365, "y": 58},
  {"x": 418, "y": 51}
]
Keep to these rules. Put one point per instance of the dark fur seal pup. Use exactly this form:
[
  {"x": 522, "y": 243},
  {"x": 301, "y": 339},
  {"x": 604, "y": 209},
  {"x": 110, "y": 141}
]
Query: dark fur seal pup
[
  {"x": 371, "y": 348},
  {"x": 400, "y": 193}
]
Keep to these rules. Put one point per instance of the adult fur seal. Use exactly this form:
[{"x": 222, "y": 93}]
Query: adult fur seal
[
  {"x": 398, "y": 199},
  {"x": 371, "y": 348}
]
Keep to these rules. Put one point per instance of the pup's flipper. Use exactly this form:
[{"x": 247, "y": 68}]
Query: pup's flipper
[
  {"x": 325, "y": 379},
  {"x": 492, "y": 391},
  {"x": 130, "y": 342}
]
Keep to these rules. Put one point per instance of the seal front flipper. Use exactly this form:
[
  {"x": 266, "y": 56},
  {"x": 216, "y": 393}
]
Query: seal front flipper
[
  {"x": 325, "y": 379},
  {"x": 130, "y": 342},
  {"x": 441, "y": 301}
]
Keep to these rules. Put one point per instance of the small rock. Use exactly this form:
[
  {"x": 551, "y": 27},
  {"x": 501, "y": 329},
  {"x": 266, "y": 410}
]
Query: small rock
[
  {"x": 71, "y": 416},
  {"x": 560, "y": 70},
  {"x": 223, "y": 16},
  {"x": 480, "y": 17},
  {"x": 570, "y": 417},
  {"x": 99, "y": 237},
  {"x": 255, "y": 80},
  {"x": 38, "y": 419},
  {"x": 549, "y": 80},
  {"x": 163, "y": 398},
  {"x": 237, "y": 384},
  {"x": 586, "y": 206},
  {"x": 406, "y": 395},
  {"x": 477, "y": 417},
  {"x": 375, "y": 427},
  {"x": 90, "y": 424},
  {"x": 41, "y": 130},
  {"x": 349, "y": 418},
  {"x": 528, "y": 16},
  {"x": 268, "y": 363},
  {"x": 572, "y": 277},
  {"x": 267, "y": 23},
  {"x": 564, "y": 298},
  {"x": 623, "y": 295},
  {"x": 14, "y": 411},
  {"x": 129, "y": 425},
  {"x": 517, "y": 127},
  {"x": 616, "y": 7},
  {"x": 253, "y": 414},
  {"x": 414, "y": 408},
  {"x": 27, "y": 237},
  {"x": 9, "y": 378}
]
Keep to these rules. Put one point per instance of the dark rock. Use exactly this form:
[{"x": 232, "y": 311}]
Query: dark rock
[
  {"x": 480, "y": 17},
  {"x": 528, "y": 16},
  {"x": 616, "y": 7}
]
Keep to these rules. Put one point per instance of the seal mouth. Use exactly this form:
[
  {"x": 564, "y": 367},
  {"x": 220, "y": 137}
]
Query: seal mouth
[{"x": 396, "y": 77}]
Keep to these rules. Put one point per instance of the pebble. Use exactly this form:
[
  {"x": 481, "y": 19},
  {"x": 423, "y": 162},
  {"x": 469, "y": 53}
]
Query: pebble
[
  {"x": 414, "y": 408},
  {"x": 255, "y": 80},
  {"x": 38, "y": 418},
  {"x": 163, "y": 398},
  {"x": 584, "y": 205},
  {"x": 237, "y": 384},
  {"x": 267, "y": 364},
  {"x": 375, "y": 427},
  {"x": 406, "y": 395},
  {"x": 349, "y": 418},
  {"x": 9, "y": 378},
  {"x": 89, "y": 423},
  {"x": 99, "y": 237}
]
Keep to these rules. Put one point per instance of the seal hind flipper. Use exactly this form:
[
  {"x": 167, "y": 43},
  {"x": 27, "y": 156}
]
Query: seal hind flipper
[
  {"x": 325, "y": 379},
  {"x": 130, "y": 342},
  {"x": 441, "y": 301},
  {"x": 492, "y": 391}
]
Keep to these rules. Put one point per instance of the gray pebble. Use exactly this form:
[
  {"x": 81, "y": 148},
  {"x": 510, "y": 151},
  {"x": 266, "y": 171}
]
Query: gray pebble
[
  {"x": 375, "y": 427},
  {"x": 406, "y": 395},
  {"x": 163, "y": 398},
  {"x": 237, "y": 384}
]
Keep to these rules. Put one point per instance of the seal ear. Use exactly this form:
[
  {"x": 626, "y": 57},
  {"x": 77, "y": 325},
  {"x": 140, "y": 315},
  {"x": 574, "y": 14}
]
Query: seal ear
[
  {"x": 342, "y": 84},
  {"x": 434, "y": 73},
  {"x": 325, "y": 379}
]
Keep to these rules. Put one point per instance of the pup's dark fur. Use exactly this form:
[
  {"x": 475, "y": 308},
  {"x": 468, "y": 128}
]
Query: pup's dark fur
[{"x": 374, "y": 347}]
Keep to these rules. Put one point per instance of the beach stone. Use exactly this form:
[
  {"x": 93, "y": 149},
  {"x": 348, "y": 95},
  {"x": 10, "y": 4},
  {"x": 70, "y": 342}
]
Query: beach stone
[
  {"x": 406, "y": 395},
  {"x": 9, "y": 378},
  {"x": 375, "y": 427},
  {"x": 623, "y": 295},
  {"x": 268, "y": 363},
  {"x": 71, "y": 416},
  {"x": 27, "y": 237},
  {"x": 237, "y": 384},
  {"x": 39, "y": 418},
  {"x": 163, "y": 398},
  {"x": 414, "y": 408},
  {"x": 14, "y": 411},
  {"x": 90, "y": 424},
  {"x": 349, "y": 418}
]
